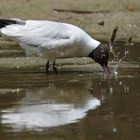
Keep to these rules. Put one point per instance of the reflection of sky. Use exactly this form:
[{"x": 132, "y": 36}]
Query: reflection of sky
[{"x": 49, "y": 106}]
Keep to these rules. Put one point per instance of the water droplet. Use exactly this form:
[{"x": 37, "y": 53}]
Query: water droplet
[
  {"x": 115, "y": 73},
  {"x": 111, "y": 90},
  {"x": 114, "y": 130}
]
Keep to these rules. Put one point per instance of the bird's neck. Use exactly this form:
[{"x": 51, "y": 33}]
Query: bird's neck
[{"x": 91, "y": 44}]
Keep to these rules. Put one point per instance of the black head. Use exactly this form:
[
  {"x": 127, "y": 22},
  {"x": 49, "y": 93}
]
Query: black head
[{"x": 101, "y": 56}]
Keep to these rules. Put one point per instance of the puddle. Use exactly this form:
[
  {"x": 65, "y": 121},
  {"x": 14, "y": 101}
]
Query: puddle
[{"x": 73, "y": 104}]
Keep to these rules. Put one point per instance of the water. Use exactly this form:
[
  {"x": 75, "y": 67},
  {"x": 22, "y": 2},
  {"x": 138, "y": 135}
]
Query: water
[{"x": 73, "y": 105}]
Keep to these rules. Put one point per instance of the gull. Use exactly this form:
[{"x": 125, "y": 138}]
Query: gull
[{"x": 53, "y": 40}]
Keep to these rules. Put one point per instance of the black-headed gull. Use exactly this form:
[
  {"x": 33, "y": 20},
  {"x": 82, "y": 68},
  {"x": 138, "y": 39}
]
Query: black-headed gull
[{"x": 52, "y": 40}]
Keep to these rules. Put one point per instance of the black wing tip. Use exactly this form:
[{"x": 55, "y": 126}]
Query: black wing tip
[{"x": 5, "y": 22}]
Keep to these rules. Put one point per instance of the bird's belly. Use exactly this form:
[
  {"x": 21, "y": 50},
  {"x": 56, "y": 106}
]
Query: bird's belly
[{"x": 66, "y": 52}]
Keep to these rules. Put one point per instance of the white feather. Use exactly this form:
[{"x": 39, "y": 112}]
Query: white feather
[{"x": 50, "y": 39}]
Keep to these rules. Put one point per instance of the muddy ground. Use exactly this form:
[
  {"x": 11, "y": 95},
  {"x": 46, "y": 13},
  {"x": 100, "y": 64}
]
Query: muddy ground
[{"x": 125, "y": 14}]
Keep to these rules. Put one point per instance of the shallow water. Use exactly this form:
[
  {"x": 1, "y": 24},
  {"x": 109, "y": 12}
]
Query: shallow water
[{"x": 73, "y": 105}]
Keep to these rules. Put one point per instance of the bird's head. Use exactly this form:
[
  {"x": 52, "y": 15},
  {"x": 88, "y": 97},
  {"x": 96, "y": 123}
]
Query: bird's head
[{"x": 101, "y": 56}]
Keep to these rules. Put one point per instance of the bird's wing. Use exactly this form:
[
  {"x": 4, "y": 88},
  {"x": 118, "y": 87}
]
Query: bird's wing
[
  {"x": 45, "y": 42},
  {"x": 45, "y": 34},
  {"x": 59, "y": 44}
]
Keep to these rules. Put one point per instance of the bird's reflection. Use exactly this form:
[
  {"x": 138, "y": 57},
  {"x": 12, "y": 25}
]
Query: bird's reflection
[
  {"x": 59, "y": 103},
  {"x": 50, "y": 106}
]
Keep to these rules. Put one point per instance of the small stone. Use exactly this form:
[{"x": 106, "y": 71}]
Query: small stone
[{"x": 101, "y": 23}]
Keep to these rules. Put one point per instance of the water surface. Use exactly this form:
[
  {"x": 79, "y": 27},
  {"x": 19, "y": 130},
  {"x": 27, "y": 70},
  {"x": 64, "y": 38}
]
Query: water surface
[{"x": 73, "y": 105}]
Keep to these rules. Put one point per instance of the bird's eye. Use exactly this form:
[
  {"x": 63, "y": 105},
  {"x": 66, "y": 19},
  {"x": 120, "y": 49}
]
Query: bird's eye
[{"x": 103, "y": 56}]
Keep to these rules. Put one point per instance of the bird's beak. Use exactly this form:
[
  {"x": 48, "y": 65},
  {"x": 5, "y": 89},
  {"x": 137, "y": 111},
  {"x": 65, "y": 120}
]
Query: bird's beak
[{"x": 106, "y": 70}]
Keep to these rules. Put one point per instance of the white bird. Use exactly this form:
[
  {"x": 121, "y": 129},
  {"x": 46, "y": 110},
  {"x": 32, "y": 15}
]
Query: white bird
[{"x": 52, "y": 40}]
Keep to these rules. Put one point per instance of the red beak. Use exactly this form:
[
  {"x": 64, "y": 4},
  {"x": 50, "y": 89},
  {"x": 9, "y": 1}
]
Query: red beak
[{"x": 106, "y": 70}]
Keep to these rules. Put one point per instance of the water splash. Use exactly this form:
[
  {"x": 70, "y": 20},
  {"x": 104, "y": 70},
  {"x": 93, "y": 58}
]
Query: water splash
[{"x": 119, "y": 53}]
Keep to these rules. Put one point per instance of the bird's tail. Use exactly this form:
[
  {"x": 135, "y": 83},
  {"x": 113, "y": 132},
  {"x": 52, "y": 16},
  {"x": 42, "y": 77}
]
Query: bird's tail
[
  {"x": 5, "y": 22},
  {"x": 7, "y": 29}
]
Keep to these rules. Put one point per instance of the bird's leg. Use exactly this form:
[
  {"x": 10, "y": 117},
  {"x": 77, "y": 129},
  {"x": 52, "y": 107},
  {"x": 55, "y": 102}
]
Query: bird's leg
[
  {"x": 47, "y": 67},
  {"x": 55, "y": 68}
]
